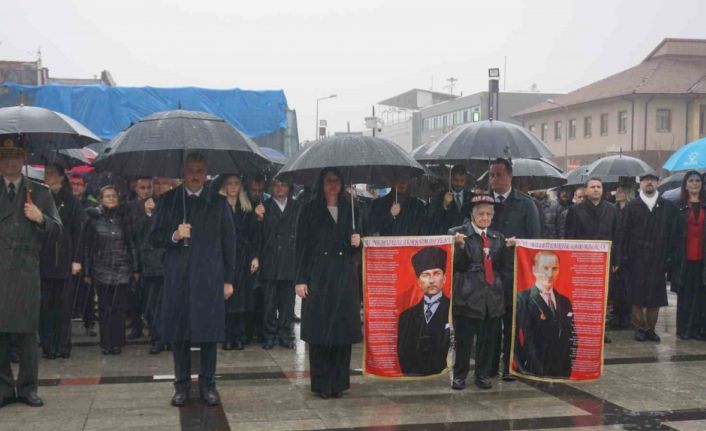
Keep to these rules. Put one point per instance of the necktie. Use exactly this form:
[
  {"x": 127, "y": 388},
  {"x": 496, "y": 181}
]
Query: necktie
[
  {"x": 429, "y": 313},
  {"x": 459, "y": 201},
  {"x": 500, "y": 199},
  {"x": 548, "y": 298},
  {"x": 11, "y": 192},
  {"x": 487, "y": 261}
]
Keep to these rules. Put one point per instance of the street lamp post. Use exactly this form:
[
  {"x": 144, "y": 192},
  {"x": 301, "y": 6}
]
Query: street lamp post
[
  {"x": 316, "y": 135},
  {"x": 566, "y": 132}
]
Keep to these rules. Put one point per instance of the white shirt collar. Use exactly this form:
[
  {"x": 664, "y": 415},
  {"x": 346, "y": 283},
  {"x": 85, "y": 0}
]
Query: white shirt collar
[
  {"x": 504, "y": 195},
  {"x": 478, "y": 230},
  {"x": 17, "y": 182},
  {"x": 547, "y": 296},
  {"x": 282, "y": 205},
  {"x": 431, "y": 299},
  {"x": 190, "y": 193}
]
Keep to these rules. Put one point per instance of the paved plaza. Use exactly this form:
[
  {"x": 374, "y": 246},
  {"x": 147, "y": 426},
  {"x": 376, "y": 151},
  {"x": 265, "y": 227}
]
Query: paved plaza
[{"x": 644, "y": 386}]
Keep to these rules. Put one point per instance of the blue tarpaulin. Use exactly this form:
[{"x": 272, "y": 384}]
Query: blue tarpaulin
[{"x": 108, "y": 110}]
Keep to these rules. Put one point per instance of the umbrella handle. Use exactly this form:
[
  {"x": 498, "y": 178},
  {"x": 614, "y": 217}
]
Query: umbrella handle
[
  {"x": 28, "y": 186},
  {"x": 186, "y": 241},
  {"x": 352, "y": 208}
]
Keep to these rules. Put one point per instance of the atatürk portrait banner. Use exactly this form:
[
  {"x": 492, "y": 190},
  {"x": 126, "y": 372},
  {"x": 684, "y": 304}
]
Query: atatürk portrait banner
[
  {"x": 560, "y": 297},
  {"x": 407, "y": 289}
]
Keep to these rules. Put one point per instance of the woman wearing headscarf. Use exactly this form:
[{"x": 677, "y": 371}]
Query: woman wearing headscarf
[
  {"x": 688, "y": 274},
  {"x": 58, "y": 262},
  {"x": 110, "y": 260},
  {"x": 246, "y": 260},
  {"x": 327, "y": 278}
]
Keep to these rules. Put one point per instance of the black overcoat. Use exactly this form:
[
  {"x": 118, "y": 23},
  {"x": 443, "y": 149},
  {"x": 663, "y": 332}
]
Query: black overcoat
[
  {"x": 592, "y": 222},
  {"x": 545, "y": 340},
  {"x": 473, "y": 297},
  {"x": 411, "y": 221},
  {"x": 647, "y": 246},
  {"x": 442, "y": 219},
  {"x": 193, "y": 308},
  {"x": 328, "y": 264},
  {"x": 20, "y": 243},
  {"x": 279, "y": 230},
  {"x": 109, "y": 255},
  {"x": 247, "y": 234},
  {"x": 58, "y": 253}
]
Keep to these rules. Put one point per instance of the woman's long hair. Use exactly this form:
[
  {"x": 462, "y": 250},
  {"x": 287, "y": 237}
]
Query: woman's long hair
[
  {"x": 684, "y": 195},
  {"x": 242, "y": 196},
  {"x": 320, "y": 195}
]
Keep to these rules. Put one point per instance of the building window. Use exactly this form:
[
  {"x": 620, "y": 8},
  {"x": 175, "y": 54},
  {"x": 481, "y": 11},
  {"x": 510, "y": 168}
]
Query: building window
[
  {"x": 572, "y": 128},
  {"x": 664, "y": 120},
  {"x": 476, "y": 116},
  {"x": 557, "y": 130},
  {"x": 587, "y": 127},
  {"x": 532, "y": 128},
  {"x": 604, "y": 124},
  {"x": 465, "y": 116},
  {"x": 622, "y": 122},
  {"x": 545, "y": 129}
]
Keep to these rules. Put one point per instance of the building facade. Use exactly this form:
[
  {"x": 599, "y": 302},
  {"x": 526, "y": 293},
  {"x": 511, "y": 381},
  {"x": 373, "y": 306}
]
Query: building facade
[{"x": 647, "y": 111}]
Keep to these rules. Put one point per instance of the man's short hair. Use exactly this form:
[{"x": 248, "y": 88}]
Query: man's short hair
[
  {"x": 257, "y": 178},
  {"x": 458, "y": 170},
  {"x": 196, "y": 157},
  {"x": 504, "y": 162},
  {"x": 544, "y": 253},
  {"x": 585, "y": 185}
]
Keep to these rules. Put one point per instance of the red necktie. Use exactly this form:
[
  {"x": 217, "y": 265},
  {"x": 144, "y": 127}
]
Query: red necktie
[{"x": 487, "y": 261}]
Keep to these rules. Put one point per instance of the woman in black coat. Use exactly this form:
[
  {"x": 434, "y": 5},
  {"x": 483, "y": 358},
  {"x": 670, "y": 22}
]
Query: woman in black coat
[
  {"x": 328, "y": 256},
  {"x": 688, "y": 272},
  {"x": 247, "y": 262},
  {"x": 58, "y": 262},
  {"x": 110, "y": 260}
]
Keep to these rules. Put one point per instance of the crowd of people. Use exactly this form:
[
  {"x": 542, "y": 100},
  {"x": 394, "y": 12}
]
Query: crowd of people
[{"x": 207, "y": 261}]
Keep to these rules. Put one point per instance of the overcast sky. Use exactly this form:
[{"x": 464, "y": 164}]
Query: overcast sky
[{"x": 362, "y": 50}]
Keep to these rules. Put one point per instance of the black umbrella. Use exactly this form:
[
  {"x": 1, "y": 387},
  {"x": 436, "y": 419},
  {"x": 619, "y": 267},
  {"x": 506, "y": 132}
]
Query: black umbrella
[
  {"x": 158, "y": 144},
  {"x": 68, "y": 158},
  {"x": 487, "y": 140},
  {"x": 611, "y": 168},
  {"x": 542, "y": 173},
  {"x": 673, "y": 181},
  {"x": 360, "y": 159},
  {"x": 42, "y": 128}
]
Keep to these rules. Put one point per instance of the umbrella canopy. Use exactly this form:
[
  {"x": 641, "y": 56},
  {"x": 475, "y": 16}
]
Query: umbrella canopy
[
  {"x": 670, "y": 182},
  {"x": 158, "y": 144},
  {"x": 577, "y": 176},
  {"x": 611, "y": 167},
  {"x": 68, "y": 158},
  {"x": 419, "y": 153},
  {"x": 274, "y": 156},
  {"x": 690, "y": 156},
  {"x": 487, "y": 140},
  {"x": 542, "y": 173},
  {"x": 361, "y": 159},
  {"x": 42, "y": 128}
]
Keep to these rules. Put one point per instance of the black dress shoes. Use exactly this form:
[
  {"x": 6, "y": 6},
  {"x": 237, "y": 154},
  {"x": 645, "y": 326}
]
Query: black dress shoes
[
  {"x": 268, "y": 345},
  {"x": 116, "y": 350},
  {"x": 228, "y": 346},
  {"x": 483, "y": 382},
  {"x": 507, "y": 377},
  {"x": 64, "y": 355},
  {"x": 458, "y": 384},
  {"x": 323, "y": 395},
  {"x": 337, "y": 394},
  {"x": 287, "y": 344},
  {"x": 238, "y": 345},
  {"x": 640, "y": 335},
  {"x": 179, "y": 398},
  {"x": 32, "y": 400},
  {"x": 211, "y": 397},
  {"x": 651, "y": 335},
  {"x": 155, "y": 348}
]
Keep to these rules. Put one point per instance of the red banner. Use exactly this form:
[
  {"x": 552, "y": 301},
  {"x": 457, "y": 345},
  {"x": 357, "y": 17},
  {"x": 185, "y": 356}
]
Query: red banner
[
  {"x": 559, "y": 310},
  {"x": 407, "y": 287}
]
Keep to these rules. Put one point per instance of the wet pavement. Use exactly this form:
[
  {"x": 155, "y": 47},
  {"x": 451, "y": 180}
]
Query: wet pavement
[{"x": 645, "y": 386}]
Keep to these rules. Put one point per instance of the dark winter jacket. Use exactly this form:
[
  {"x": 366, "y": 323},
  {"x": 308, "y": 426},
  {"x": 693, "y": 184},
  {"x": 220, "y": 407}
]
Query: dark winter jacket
[
  {"x": 109, "y": 256},
  {"x": 58, "y": 253}
]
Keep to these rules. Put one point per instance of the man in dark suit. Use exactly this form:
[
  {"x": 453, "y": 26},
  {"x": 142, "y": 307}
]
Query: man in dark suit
[
  {"x": 545, "y": 336},
  {"x": 279, "y": 225},
  {"x": 197, "y": 278},
  {"x": 516, "y": 216},
  {"x": 28, "y": 217},
  {"x": 398, "y": 213},
  {"x": 451, "y": 208},
  {"x": 422, "y": 332}
]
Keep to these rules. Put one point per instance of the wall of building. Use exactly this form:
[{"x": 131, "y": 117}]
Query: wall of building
[{"x": 401, "y": 133}]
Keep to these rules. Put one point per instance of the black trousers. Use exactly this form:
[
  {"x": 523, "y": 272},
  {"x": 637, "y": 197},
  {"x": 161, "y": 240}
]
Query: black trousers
[
  {"x": 486, "y": 333},
  {"x": 152, "y": 287},
  {"x": 68, "y": 302},
  {"x": 279, "y": 310},
  {"x": 691, "y": 301},
  {"x": 235, "y": 327},
  {"x": 255, "y": 320},
  {"x": 29, "y": 371},
  {"x": 504, "y": 345},
  {"x": 329, "y": 368},
  {"x": 206, "y": 367},
  {"x": 85, "y": 303},
  {"x": 135, "y": 306},
  {"x": 112, "y": 303},
  {"x": 51, "y": 314}
]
